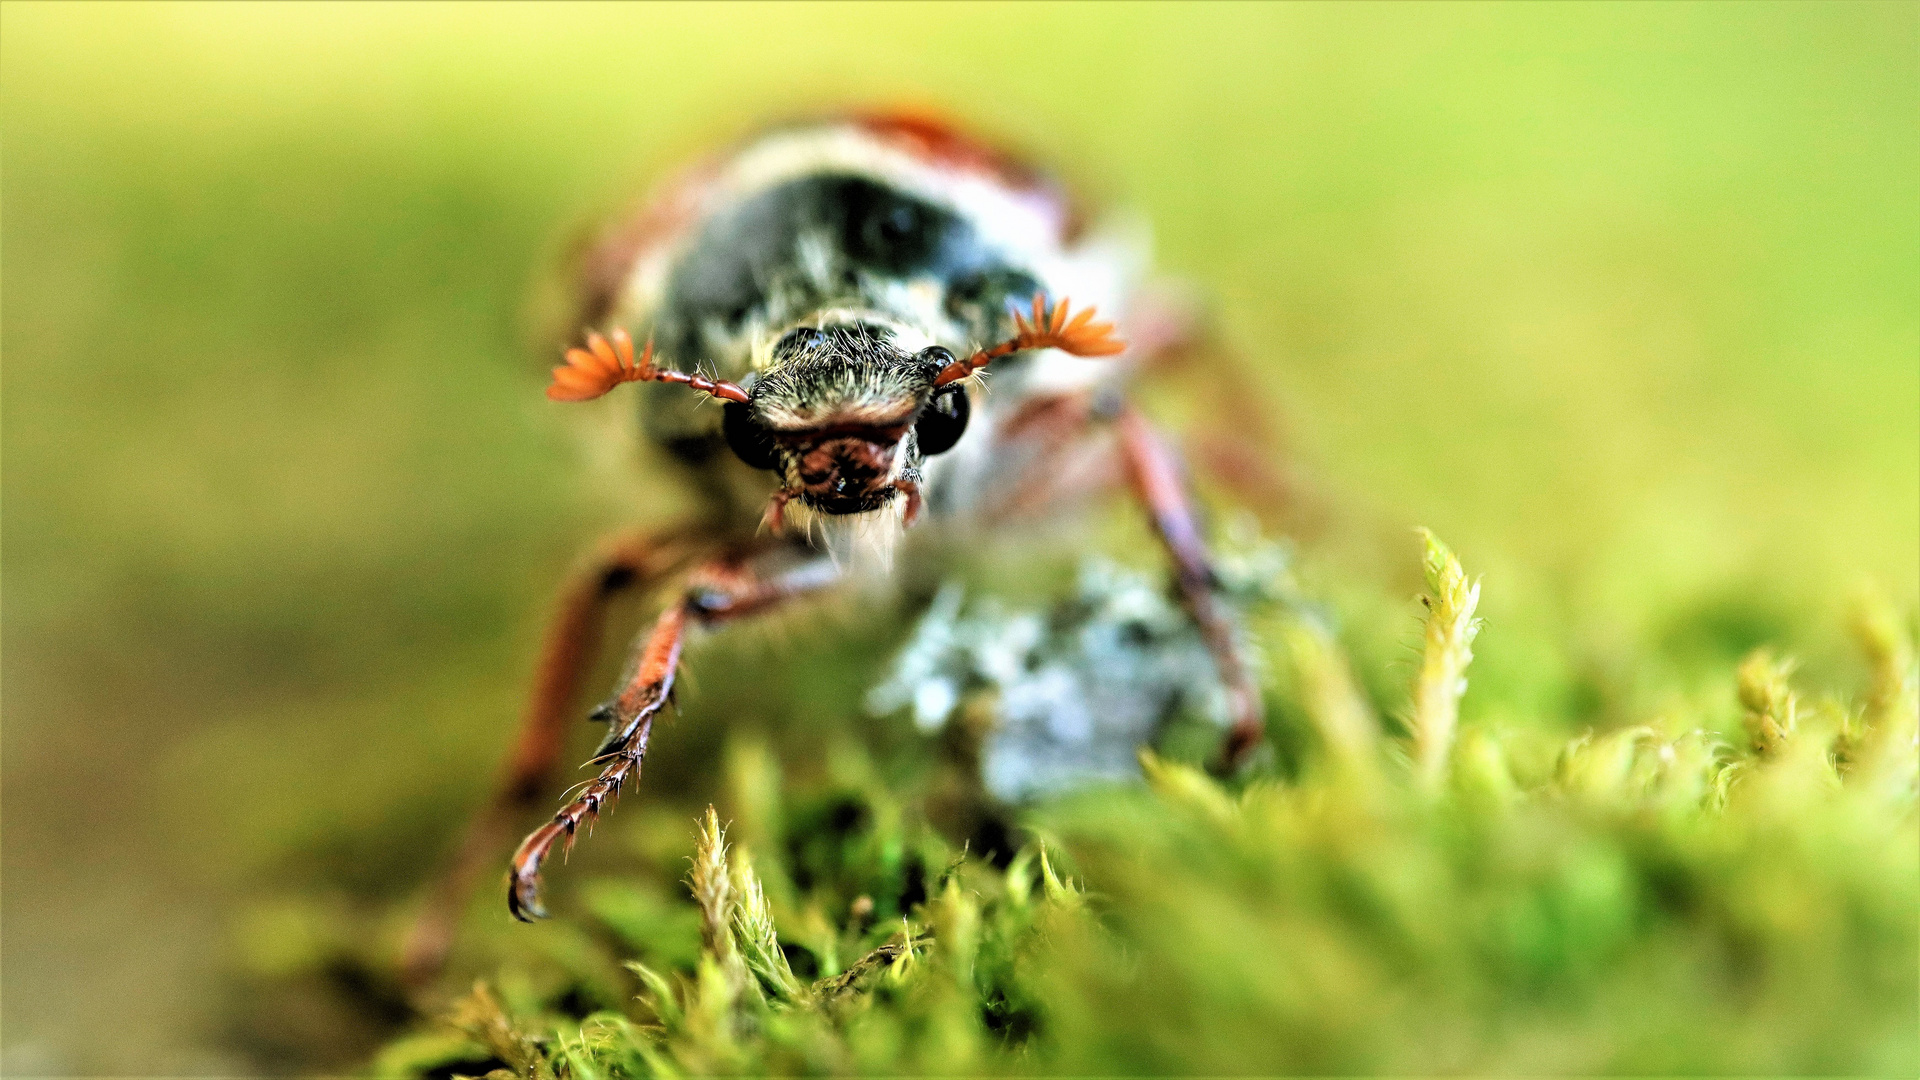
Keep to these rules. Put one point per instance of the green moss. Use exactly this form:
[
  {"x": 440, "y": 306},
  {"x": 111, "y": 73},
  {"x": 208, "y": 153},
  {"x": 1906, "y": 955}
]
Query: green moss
[{"x": 1658, "y": 898}]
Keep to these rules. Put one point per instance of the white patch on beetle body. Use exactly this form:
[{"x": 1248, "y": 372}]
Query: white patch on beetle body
[{"x": 814, "y": 252}]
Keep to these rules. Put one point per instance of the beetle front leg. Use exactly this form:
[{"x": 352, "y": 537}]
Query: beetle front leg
[
  {"x": 723, "y": 589},
  {"x": 1154, "y": 474},
  {"x": 630, "y": 726},
  {"x": 623, "y": 564}
]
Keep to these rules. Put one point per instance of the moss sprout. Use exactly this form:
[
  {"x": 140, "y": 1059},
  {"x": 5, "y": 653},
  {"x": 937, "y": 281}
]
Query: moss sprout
[{"x": 1446, "y": 651}]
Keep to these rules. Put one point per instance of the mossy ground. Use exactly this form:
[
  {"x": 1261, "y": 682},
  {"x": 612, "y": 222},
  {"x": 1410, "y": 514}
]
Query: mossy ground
[{"x": 1725, "y": 888}]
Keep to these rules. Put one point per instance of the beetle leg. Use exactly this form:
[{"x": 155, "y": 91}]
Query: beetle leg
[
  {"x": 1154, "y": 474},
  {"x": 626, "y": 562},
  {"x": 1242, "y": 446},
  {"x": 1050, "y": 459},
  {"x": 722, "y": 589}
]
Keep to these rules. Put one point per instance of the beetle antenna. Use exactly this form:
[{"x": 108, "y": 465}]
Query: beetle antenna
[
  {"x": 1050, "y": 328},
  {"x": 605, "y": 364}
]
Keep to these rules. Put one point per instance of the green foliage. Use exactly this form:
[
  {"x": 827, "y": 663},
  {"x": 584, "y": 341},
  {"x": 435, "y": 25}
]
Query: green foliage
[{"x": 1702, "y": 892}]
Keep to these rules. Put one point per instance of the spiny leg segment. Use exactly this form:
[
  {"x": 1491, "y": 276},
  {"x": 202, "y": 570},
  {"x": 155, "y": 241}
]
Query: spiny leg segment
[
  {"x": 625, "y": 563},
  {"x": 722, "y": 589}
]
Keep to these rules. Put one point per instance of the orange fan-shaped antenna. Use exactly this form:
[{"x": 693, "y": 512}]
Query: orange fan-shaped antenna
[
  {"x": 1048, "y": 329},
  {"x": 605, "y": 364}
]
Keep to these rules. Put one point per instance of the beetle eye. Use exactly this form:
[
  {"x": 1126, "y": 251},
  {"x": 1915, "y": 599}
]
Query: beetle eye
[
  {"x": 943, "y": 422},
  {"x": 749, "y": 441},
  {"x": 934, "y": 357}
]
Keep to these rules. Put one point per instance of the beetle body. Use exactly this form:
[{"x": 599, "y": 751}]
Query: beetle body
[
  {"x": 832, "y": 270},
  {"x": 817, "y": 307}
]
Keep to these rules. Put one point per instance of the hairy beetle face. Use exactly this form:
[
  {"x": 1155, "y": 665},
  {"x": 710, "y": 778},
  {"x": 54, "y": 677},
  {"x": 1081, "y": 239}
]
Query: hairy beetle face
[
  {"x": 847, "y": 475},
  {"x": 835, "y": 412}
]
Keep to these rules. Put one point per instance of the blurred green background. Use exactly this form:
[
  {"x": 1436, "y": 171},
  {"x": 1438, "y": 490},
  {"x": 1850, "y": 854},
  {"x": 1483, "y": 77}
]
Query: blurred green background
[{"x": 1619, "y": 299}]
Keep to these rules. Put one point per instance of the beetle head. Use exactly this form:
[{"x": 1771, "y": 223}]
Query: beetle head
[{"x": 844, "y": 413}]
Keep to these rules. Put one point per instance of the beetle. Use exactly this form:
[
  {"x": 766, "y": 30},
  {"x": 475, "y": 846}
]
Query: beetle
[{"x": 841, "y": 289}]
